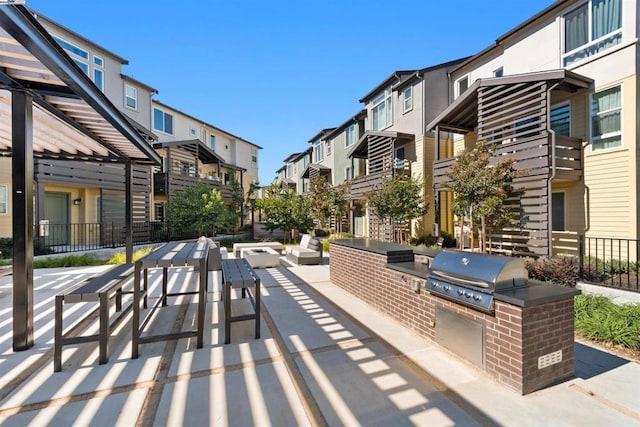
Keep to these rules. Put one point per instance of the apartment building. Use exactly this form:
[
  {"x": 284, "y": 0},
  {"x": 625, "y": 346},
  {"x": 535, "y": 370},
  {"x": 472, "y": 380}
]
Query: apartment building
[
  {"x": 394, "y": 140},
  {"x": 559, "y": 94},
  {"x": 92, "y": 193},
  {"x": 194, "y": 151},
  {"x": 289, "y": 176}
]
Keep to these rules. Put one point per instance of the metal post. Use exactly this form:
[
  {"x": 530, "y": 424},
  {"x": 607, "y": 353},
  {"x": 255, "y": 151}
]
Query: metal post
[
  {"x": 22, "y": 180},
  {"x": 581, "y": 255},
  {"x": 128, "y": 210}
]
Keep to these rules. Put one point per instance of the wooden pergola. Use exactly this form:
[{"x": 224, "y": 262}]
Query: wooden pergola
[{"x": 50, "y": 109}]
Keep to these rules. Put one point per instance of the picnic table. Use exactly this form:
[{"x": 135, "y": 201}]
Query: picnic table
[{"x": 171, "y": 255}]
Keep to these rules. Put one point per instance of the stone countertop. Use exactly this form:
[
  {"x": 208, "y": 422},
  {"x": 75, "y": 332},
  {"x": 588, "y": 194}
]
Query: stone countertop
[
  {"x": 537, "y": 293},
  {"x": 375, "y": 246},
  {"x": 417, "y": 269}
]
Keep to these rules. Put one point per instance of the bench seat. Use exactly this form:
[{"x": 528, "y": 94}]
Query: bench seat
[{"x": 101, "y": 288}]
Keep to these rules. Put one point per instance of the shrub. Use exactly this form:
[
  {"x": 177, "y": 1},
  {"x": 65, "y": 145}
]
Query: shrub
[
  {"x": 325, "y": 245},
  {"x": 6, "y": 247},
  {"x": 121, "y": 257},
  {"x": 448, "y": 241},
  {"x": 600, "y": 319},
  {"x": 559, "y": 270},
  {"x": 322, "y": 232},
  {"x": 423, "y": 240}
]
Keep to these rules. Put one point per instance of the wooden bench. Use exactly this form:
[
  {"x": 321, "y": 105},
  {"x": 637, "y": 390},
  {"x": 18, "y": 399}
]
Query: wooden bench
[
  {"x": 102, "y": 288},
  {"x": 237, "y": 273}
]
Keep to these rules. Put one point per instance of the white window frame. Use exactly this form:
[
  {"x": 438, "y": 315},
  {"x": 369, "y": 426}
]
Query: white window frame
[
  {"x": 328, "y": 147},
  {"x": 499, "y": 70},
  {"x": 164, "y": 118},
  {"x": 193, "y": 131},
  {"x": 591, "y": 42},
  {"x": 5, "y": 188},
  {"x": 134, "y": 97},
  {"x": 317, "y": 150},
  {"x": 350, "y": 140},
  {"x": 254, "y": 157},
  {"x": 212, "y": 142},
  {"x": 610, "y": 134},
  {"x": 348, "y": 173},
  {"x": 407, "y": 99},
  {"x": 383, "y": 99},
  {"x": 559, "y": 105},
  {"x": 91, "y": 65},
  {"x": 456, "y": 85}
]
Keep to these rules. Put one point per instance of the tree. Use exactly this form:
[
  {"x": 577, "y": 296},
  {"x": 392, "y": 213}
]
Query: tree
[
  {"x": 199, "y": 209},
  {"x": 285, "y": 210},
  {"x": 398, "y": 199},
  {"x": 480, "y": 189},
  {"x": 319, "y": 194},
  {"x": 339, "y": 204}
]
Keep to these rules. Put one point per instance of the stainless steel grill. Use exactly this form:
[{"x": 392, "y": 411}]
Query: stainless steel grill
[{"x": 472, "y": 279}]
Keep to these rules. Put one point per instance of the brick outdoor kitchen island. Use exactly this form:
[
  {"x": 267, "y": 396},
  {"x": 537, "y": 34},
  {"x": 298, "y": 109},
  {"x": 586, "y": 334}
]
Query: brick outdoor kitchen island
[{"x": 525, "y": 342}]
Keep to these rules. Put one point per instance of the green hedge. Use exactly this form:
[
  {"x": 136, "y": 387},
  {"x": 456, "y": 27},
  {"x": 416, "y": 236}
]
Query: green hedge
[{"x": 597, "y": 318}]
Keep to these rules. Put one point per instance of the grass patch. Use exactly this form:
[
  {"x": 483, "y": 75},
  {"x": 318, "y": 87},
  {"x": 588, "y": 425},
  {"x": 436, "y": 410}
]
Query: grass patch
[
  {"x": 121, "y": 257},
  {"x": 68, "y": 261},
  {"x": 597, "y": 318}
]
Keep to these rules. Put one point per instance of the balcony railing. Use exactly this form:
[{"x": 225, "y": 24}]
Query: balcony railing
[
  {"x": 179, "y": 183},
  {"x": 532, "y": 156}
]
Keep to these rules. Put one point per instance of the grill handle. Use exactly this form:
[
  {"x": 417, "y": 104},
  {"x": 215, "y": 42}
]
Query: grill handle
[{"x": 458, "y": 279}]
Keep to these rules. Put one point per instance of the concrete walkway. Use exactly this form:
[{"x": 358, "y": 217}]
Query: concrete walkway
[{"x": 324, "y": 358}]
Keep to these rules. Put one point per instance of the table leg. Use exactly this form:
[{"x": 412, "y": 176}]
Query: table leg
[
  {"x": 165, "y": 274},
  {"x": 135, "y": 320},
  {"x": 146, "y": 286},
  {"x": 57, "y": 342},
  {"x": 227, "y": 313},
  {"x": 202, "y": 303},
  {"x": 103, "y": 338},
  {"x": 257, "y": 298}
]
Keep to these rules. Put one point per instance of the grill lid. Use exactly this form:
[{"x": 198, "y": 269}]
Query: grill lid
[{"x": 480, "y": 270}]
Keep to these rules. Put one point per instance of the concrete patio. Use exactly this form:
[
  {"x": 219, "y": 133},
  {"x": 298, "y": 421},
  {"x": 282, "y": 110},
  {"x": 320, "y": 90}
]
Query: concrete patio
[{"x": 324, "y": 358}]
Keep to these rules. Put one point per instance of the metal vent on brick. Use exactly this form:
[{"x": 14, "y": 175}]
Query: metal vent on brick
[{"x": 472, "y": 279}]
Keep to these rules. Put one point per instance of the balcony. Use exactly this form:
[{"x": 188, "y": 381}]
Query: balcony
[
  {"x": 177, "y": 183},
  {"x": 532, "y": 156}
]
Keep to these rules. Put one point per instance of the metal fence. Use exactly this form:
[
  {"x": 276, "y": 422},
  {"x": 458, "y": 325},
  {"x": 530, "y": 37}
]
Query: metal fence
[{"x": 609, "y": 262}]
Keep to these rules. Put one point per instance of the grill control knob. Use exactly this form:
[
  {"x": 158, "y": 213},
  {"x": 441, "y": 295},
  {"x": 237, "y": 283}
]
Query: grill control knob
[
  {"x": 447, "y": 288},
  {"x": 468, "y": 294},
  {"x": 477, "y": 297},
  {"x": 460, "y": 292}
]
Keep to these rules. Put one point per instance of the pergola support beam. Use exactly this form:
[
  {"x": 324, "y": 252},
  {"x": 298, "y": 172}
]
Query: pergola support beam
[{"x": 22, "y": 198}]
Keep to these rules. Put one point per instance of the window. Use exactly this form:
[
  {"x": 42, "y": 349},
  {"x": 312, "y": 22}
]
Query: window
[
  {"x": 93, "y": 69},
  {"x": 592, "y": 28},
  {"x": 328, "y": 145},
  {"x": 561, "y": 119},
  {"x": 162, "y": 121},
  {"x": 3, "y": 199},
  {"x": 407, "y": 96},
  {"x": 305, "y": 161},
  {"x": 192, "y": 131},
  {"x": 399, "y": 162},
  {"x": 290, "y": 170},
  {"x": 499, "y": 72},
  {"x": 254, "y": 156},
  {"x": 382, "y": 110},
  {"x": 606, "y": 118},
  {"x": 557, "y": 212},
  {"x": 212, "y": 142},
  {"x": 350, "y": 136},
  {"x": 348, "y": 173},
  {"x": 317, "y": 148},
  {"x": 159, "y": 211},
  {"x": 305, "y": 185},
  {"x": 462, "y": 84},
  {"x": 130, "y": 97}
]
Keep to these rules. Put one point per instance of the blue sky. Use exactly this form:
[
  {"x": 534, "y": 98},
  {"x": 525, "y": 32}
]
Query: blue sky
[{"x": 277, "y": 72}]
